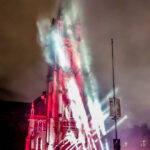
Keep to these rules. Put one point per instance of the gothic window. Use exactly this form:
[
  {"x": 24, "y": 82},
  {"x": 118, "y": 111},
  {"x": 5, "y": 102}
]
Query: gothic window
[
  {"x": 44, "y": 125},
  {"x": 40, "y": 125},
  {"x": 39, "y": 143}
]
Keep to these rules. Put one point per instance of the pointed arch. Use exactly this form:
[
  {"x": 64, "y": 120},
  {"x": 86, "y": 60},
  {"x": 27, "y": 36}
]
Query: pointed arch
[{"x": 39, "y": 143}]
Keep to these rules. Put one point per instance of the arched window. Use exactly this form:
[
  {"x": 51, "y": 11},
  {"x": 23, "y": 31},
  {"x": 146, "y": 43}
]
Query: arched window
[
  {"x": 39, "y": 143},
  {"x": 40, "y": 125},
  {"x": 44, "y": 125}
]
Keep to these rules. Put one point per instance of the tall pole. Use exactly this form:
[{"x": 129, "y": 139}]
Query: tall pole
[{"x": 114, "y": 94}]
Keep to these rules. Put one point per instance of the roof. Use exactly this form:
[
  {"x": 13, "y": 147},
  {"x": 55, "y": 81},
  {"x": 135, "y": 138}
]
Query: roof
[{"x": 39, "y": 107}]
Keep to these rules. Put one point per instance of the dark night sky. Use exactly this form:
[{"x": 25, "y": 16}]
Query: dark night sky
[{"x": 22, "y": 66}]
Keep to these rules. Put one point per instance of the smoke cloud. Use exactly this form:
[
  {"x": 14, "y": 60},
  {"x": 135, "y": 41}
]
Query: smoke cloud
[{"x": 23, "y": 69}]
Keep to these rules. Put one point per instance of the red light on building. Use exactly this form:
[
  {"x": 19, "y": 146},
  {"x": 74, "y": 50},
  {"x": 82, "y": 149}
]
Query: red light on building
[{"x": 53, "y": 123}]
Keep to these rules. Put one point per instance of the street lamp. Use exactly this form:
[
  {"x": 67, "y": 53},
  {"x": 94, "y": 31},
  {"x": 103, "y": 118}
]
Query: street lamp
[{"x": 116, "y": 106}]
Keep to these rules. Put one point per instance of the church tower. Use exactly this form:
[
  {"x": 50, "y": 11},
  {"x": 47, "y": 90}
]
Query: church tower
[{"x": 58, "y": 118}]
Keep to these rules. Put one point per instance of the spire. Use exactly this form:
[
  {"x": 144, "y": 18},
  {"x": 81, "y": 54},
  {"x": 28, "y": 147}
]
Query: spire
[
  {"x": 32, "y": 109},
  {"x": 63, "y": 4},
  {"x": 59, "y": 9}
]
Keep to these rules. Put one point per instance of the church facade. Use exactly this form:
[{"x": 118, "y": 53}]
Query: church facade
[{"x": 58, "y": 118}]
